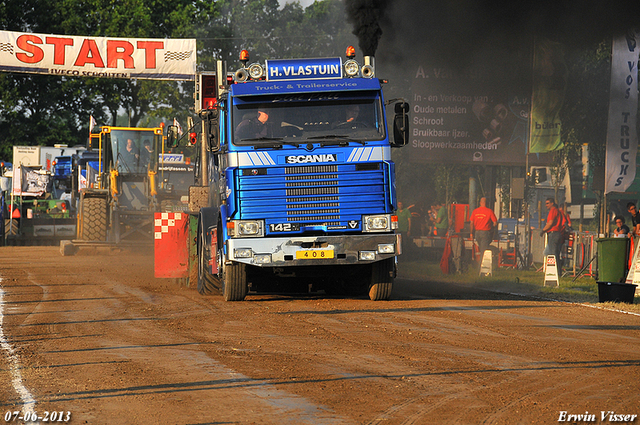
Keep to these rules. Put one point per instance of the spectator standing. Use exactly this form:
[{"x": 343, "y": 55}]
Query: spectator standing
[
  {"x": 431, "y": 217},
  {"x": 441, "y": 222},
  {"x": 621, "y": 230},
  {"x": 554, "y": 230},
  {"x": 482, "y": 222},
  {"x": 635, "y": 218}
]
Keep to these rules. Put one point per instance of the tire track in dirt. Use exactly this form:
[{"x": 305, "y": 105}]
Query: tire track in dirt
[
  {"x": 126, "y": 343},
  {"x": 127, "y": 339}
]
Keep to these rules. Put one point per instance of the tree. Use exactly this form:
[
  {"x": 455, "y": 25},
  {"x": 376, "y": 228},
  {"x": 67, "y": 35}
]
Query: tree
[
  {"x": 40, "y": 109},
  {"x": 588, "y": 97},
  {"x": 269, "y": 32}
]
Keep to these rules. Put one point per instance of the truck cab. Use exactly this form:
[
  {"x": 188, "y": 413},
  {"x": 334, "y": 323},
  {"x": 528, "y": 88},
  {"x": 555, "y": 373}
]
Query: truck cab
[{"x": 301, "y": 181}]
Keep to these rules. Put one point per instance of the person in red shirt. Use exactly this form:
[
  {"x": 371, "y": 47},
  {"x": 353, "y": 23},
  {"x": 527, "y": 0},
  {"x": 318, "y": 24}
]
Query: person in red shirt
[
  {"x": 555, "y": 231},
  {"x": 482, "y": 222}
]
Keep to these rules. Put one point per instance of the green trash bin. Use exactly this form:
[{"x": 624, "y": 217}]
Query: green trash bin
[{"x": 613, "y": 258}]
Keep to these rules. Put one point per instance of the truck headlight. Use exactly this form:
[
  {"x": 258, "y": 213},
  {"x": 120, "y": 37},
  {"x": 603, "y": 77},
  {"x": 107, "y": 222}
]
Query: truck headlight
[
  {"x": 246, "y": 228},
  {"x": 262, "y": 258},
  {"x": 377, "y": 223},
  {"x": 242, "y": 253},
  {"x": 386, "y": 248},
  {"x": 367, "y": 255},
  {"x": 256, "y": 71},
  {"x": 351, "y": 68}
]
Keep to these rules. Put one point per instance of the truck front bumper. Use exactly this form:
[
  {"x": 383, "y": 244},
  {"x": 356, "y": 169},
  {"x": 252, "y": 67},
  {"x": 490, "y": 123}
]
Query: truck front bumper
[{"x": 313, "y": 250}]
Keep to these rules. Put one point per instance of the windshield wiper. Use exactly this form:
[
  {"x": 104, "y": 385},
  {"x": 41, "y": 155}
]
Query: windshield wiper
[
  {"x": 280, "y": 141},
  {"x": 340, "y": 140},
  {"x": 263, "y": 139}
]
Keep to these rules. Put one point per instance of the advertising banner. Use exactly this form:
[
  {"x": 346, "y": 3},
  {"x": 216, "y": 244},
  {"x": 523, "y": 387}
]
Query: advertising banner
[
  {"x": 477, "y": 115},
  {"x": 549, "y": 83},
  {"x": 622, "y": 136},
  {"x": 78, "y": 56}
]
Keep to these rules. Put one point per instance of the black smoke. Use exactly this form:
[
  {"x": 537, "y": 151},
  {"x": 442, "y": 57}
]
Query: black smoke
[
  {"x": 366, "y": 17},
  {"x": 452, "y": 30}
]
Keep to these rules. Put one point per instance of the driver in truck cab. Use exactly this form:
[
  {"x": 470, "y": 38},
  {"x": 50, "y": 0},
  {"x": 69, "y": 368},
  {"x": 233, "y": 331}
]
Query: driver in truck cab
[
  {"x": 351, "y": 121},
  {"x": 255, "y": 126}
]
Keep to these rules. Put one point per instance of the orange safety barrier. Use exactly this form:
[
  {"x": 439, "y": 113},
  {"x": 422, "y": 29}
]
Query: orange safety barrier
[{"x": 507, "y": 258}]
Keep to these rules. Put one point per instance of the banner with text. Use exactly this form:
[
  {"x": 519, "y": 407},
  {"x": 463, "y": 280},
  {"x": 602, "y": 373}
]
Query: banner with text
[
  {"x": 549, "y": 84},
  {"x": 76, "y": 56},
  {"x": 477, "y": 115},
  {"x": 622, "y": 136}
]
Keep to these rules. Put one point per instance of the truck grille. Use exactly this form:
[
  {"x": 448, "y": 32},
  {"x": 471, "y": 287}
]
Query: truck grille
[{"x": 313, "y": 196}]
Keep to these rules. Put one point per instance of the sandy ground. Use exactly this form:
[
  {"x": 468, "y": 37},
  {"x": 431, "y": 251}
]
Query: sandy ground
[{"x": 97, "y": 339}]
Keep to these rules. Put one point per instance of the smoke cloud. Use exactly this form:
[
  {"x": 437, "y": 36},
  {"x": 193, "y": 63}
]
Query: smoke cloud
[
  {"x": 451, "y": 30},
  {"x": 469, "y": 41},
  {"x": 366, "y": 17}
]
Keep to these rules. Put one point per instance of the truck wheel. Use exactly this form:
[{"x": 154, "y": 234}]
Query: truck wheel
[
  {"x": 206, "y": 282},
  {"x": 234, "y": 281},
  {"x": 382, "y": 274},
  {"x": 94, "y": 219}
]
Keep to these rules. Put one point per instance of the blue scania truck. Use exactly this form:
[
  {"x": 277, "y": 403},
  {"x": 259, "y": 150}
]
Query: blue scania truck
[{"x": 297, "y": 182}]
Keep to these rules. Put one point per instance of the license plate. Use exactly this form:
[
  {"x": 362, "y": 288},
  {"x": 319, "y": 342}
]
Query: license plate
[{"x": 314, "y": 254}]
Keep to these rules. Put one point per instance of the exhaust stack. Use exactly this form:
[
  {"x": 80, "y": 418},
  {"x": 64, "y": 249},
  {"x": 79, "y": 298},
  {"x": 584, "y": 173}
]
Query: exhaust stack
[{"x": 368, "y": 69}]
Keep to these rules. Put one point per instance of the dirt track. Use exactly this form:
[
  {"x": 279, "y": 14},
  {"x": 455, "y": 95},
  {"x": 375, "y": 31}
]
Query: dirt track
[{"x": 98, "y": 336}]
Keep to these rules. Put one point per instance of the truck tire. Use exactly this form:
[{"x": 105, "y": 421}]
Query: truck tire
[
  {"x": 94, "y": 219},
  {"x": 206, "y": 281},
  {"x": 234, "y": 281},
  {"x": 382, "y": 275}
]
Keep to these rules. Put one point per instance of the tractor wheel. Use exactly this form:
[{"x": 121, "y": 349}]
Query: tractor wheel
[
  {"x": 234, "y": 281},
  {"x": 382, "y": 275},
  {"x": 94, "y": 219}
]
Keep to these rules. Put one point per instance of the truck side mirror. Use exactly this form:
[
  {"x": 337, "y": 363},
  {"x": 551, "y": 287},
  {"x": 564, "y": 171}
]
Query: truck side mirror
[
  {"x": 213, "y": 137},
  {"x": 401, "y": 124},
  {"x": 172, "y": 136}
]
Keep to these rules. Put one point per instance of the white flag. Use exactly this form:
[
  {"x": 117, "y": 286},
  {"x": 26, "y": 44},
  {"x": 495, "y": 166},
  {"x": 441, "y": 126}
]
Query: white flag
[
  {"x": 622, "y": 138},
  {"x": 92, "y": 123},
  {"x": 177, "y": 124}
]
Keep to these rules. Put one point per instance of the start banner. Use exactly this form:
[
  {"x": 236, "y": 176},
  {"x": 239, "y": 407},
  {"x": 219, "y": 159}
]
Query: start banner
[{"x": 77, "y": 56}]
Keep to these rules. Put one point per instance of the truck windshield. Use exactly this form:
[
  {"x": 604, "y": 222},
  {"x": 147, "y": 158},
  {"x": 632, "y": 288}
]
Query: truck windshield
[
  {"x": 134, "y": 152},
  {"x": 301, "y": 118}
]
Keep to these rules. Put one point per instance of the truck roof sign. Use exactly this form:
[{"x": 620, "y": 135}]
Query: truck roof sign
[
  {"x": 296, "y": 69},
  {"x": 314, "y": 86}
]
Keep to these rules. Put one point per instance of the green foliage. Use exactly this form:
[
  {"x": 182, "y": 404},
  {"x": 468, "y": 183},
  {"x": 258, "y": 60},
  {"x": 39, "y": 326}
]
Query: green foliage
[
  {"x": 268, "y": 32},
  {"x": 587, "y": 97},
  {"x": 43, "y": 110},
  {"x": 451, "y": 182}
]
